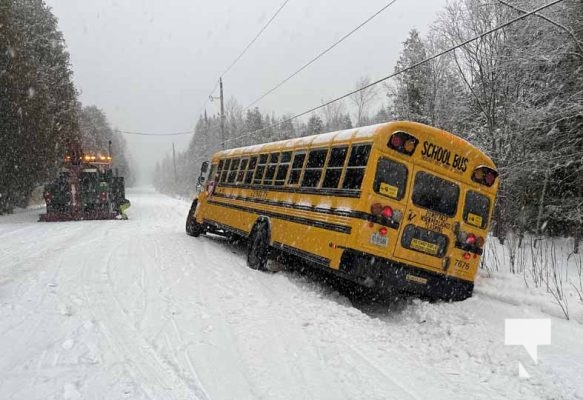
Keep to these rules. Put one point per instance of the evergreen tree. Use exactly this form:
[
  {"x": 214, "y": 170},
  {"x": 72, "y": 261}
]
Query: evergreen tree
[
  {"x": 38, "y": 102},
  {"x": 412, "y": 88},
  {"x": 315, "y": 125}
]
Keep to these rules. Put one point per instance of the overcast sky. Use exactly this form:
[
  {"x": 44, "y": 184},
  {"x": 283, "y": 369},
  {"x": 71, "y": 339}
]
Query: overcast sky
[{"x": 151, "y": 64}]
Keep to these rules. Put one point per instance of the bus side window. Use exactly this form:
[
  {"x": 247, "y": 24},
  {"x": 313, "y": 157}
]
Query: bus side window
[
  {"x": 233, "y": 170},
  {"x": 225, "y": 171},
  {"x": 296, "y": 170},
  {"x": 282, "y": 169},
  {"x": 260, "y": 169},
  {"x": 219, "y": 171},
  {"x": 313, "y": 172},
  {"x": 242, "y": 169},
  {"x": 271, "y": 167},
  {"x": 250, "y": 170},
  {"x": 356, "y": 166},
  {"x": 335, "y": 167}
]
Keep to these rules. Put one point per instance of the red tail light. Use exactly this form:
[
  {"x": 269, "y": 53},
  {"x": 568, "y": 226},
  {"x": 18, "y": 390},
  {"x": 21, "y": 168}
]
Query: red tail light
[
  {"x": 396, "y": 141},
  {"x": 471, "y": 239},
  {"x": 383, "y": 231},
  {"x": 387, "y": 212}
]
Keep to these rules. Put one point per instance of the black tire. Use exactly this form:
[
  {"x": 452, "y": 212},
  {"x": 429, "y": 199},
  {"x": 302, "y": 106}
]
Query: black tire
[
  {"x": 193, "y": 228},
  {"x": 258, "y": 247}
]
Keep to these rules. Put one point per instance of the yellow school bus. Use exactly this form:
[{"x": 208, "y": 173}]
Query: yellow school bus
[{"x": 395, "y": 206}]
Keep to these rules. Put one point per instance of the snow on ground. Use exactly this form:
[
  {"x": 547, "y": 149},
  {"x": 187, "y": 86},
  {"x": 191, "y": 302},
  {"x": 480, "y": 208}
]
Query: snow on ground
[{"x": 138, "y": 310}]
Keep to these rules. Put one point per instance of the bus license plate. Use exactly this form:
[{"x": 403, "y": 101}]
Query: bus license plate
[{"x": 379, "y": 239}]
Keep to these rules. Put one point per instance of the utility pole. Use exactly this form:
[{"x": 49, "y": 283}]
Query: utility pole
[{"x": 211, "y": 97}]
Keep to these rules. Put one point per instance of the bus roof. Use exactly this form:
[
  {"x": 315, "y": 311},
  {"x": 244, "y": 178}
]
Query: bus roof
[{"x": 362, "y": 134}]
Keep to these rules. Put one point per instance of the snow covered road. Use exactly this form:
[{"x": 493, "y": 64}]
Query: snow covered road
[{"x": 139, "y": 310}]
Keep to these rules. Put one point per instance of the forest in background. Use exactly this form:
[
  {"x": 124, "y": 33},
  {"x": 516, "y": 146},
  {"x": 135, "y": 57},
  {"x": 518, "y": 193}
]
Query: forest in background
[
  {"x": 517, "y": 94},
  {"x": 40, "y": 112}
]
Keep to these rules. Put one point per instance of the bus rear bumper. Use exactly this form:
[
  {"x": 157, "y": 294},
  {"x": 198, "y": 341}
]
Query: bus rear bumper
[{"x": 388, "y": 276}]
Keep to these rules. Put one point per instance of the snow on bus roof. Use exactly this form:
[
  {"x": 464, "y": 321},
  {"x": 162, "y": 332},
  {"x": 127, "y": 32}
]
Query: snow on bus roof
[{"x": 336, "y": 136}]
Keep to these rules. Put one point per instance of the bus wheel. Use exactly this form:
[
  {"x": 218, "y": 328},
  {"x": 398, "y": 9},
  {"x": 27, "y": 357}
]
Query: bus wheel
[
  {"x": 258, "y": 247},
  {"x": 193, "y": 228}
]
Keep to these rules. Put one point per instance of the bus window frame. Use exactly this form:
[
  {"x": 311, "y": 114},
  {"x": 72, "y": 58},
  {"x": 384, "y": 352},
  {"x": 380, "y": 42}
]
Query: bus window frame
[
  {"x": 225, "y": 171},
  {"x": 279, "y": 165},
  {"x": 249, "y": 170},
  {"x": 342, "y": 168},
  {"x": 442, "y": 177},
  {"x": 465, "y": 211},
  {"x": 301, "y": 169},
  {"x": 241, "y": 172},
  {"x": 402, "y": 192},
  {"x": 362, "y": 167},
  {"x": 233, "y": 172},
  {"x": 274, "y": 164},
  {"x": 256, "y": 182},
  {"x": 305, "y": 169}
]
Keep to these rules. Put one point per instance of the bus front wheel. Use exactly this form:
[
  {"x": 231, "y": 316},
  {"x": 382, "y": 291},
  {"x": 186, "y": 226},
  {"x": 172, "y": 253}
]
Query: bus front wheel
[
  {"x": 258, "y": 247},
  {"x": 193, "y": 228}
]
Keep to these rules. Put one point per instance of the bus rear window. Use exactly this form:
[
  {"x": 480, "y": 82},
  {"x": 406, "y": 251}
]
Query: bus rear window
[
  {"x": 435, "y": 194},
  {"x": 476, "y": 209},
  {"x": 390, "y": 179}
]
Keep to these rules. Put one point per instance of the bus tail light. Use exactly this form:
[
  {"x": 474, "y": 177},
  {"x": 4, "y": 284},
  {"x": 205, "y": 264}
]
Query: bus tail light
[
  {"x": 384, "y": 215},
  {"x": 387, "y": 212},
  {"x": 471, "y": 239},
  {"x": 383, "y": 231},
  {"x": 480, "y": 241},
  {"x": 403, "y": 143},
  {"x": 376, "y": 209}
]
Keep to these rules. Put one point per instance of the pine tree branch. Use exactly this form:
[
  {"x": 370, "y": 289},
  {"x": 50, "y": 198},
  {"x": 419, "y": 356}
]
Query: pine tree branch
[{"x": 557, "y": 24}]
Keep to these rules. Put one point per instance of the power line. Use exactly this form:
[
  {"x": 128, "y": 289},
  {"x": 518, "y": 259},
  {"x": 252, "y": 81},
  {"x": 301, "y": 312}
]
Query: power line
[
  {"x": 242, "y": 53},
  {"x": 254, "y": 39},
  {"x": 366, "y": 21},
  {"x": 403, "y": 70},
  {"x": 223, "y": 74}
]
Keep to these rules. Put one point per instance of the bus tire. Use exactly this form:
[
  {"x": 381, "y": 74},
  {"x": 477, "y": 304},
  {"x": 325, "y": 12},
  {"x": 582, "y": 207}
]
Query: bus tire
[
  {"x": 258, "y": 247},
  {"x": 193, "y": 228}
]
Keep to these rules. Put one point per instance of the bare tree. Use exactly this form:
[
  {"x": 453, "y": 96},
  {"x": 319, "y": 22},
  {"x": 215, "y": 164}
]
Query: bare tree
[
  {"x": 363, "y": 99},
  {"x": 333, "y": 115}
]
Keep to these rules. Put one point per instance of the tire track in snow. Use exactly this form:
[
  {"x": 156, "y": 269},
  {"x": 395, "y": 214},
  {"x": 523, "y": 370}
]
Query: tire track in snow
[
  {"x": 158, "y": 381},
  {"x": 266, "y": 299},
  {"x": 182, "y": 347}
]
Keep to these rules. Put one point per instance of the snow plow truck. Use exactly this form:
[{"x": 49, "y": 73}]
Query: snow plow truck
[{"x": 85, "y": 189}]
